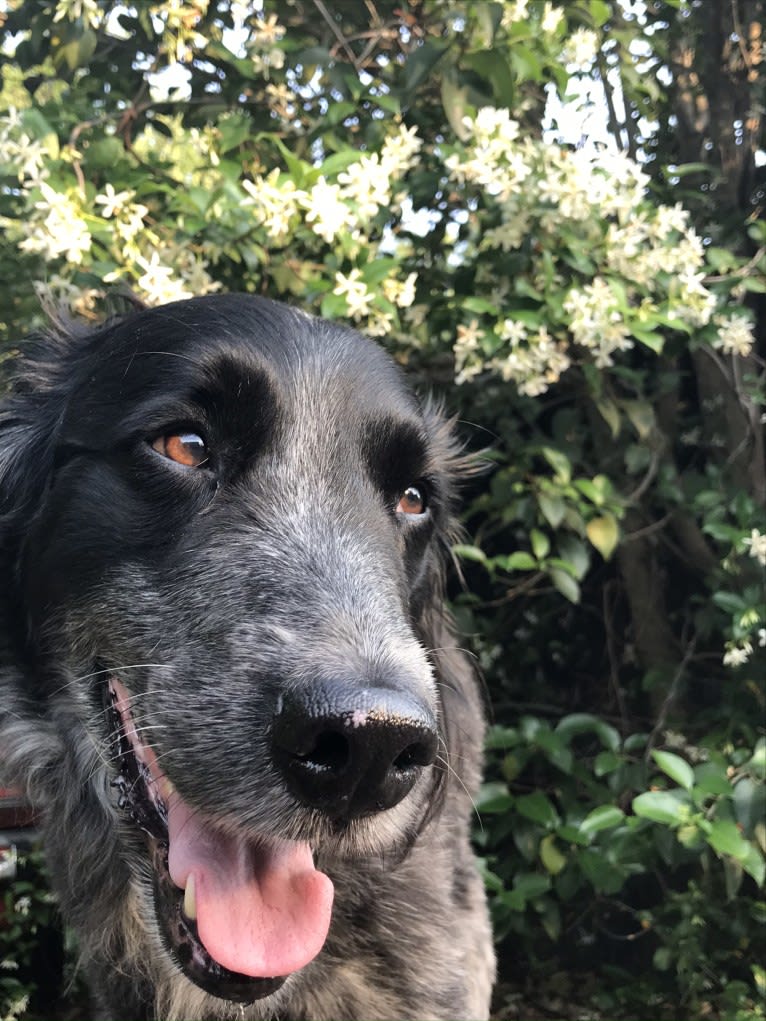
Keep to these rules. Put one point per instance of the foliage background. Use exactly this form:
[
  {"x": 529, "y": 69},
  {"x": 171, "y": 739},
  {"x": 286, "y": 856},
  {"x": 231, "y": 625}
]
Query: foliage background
[{"x": 584, "y": 284}]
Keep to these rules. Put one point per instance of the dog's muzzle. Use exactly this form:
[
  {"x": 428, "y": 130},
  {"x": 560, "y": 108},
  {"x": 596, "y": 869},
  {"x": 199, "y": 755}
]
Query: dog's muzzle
[{"x": 240, "y": 911}]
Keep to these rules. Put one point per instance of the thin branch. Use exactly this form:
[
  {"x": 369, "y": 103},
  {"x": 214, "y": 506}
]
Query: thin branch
[
  {"x": 648, "y": 478},
  {"x": 614, "y": 673},
  {"x": 337, "y": 33},
  {"x": 656, "y": 526},
  {"x": 670, "y": 698}
]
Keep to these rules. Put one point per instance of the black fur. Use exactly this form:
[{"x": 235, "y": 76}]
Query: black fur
[{"x": 213, "y": 592}]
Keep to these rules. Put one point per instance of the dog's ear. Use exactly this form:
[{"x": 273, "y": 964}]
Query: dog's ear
[
  {"x": 34, "y": 388},
  {"x": 31, "y": 405},
  {"x": 461, "y": 693}
]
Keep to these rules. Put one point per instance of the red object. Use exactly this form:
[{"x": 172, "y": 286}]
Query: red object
[{"x": 15, "y": 812}]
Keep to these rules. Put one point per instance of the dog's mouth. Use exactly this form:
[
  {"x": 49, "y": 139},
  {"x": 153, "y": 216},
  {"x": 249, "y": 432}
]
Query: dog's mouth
[{"x": 238, "y": 914}]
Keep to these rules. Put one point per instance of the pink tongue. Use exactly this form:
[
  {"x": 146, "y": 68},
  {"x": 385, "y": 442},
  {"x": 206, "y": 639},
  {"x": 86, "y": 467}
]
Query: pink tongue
[{"x": 262, "y": 910}]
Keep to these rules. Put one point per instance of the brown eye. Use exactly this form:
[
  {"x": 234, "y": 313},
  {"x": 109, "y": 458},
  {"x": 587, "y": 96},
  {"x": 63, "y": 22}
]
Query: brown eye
[
  {"x": 412, "y": 501},
  {"x": 186, "y": 448}
]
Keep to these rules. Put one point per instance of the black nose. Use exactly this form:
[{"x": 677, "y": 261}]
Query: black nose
[{"x": 349, "y": 751}]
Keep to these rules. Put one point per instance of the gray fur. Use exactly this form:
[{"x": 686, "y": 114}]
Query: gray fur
[{"x": 207, "y": 605}]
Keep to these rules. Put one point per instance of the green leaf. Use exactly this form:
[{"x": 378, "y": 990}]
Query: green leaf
[
  {"x": 670, "y": 807},
  {"x": 555, "y": 749},
  {"x": 725, "y": 838},
  {"x": 338, "y": 162},
  {"x": 604, "y": 817},
  {"x": 531, "y": 884},
  {"x": 492, "y": 881},
  {"x": 730, "y": 602},
  {"x": 601, "y": 873},
  {"x": 753, "y": 863},
  {"x": 600, "y": 12},
  {"x": 478, "y": 305},
  {"x": 550, "y": 918},
  {"x": 538, "y": 808},
  {"x": 526, "y": 63},
  {"x": 493, "y": 67},
  {"x": 559, "y": 462},
  {"x": 470, "y": 553},
  {"x": 421, "y": 63},
  {"x": 501, "y": 737},
  {"x": 604, "y": 533},
  {"x": 606, "y": 762},
  {"x": 711, "y": 778},
  {"x": 540, "y": 544},
  {"x": 755, "y": 284},
  {"x": 553, "y": 508},
  {"x": 519, "y": 561},
  {"x": 565, "y": 584},
  {"x": 675, "y": 767},
  {"x": 585, "y": 723},
  {"x": 654, "y": 341},
  {"x": 575, "y": 553},
  {"x": 590, "y": 490},
  {"x": 553, "y": 860},
  {"x": 757, "y": 762},
  {"x": 235, "y": 129},
  {"x": 494, "y": 798},
  {"x": 641, "y": 415},
  {"x": 611, "y": 415}
]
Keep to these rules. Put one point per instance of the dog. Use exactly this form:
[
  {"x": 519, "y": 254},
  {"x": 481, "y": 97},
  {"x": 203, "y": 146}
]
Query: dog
[{"x": 227, "y": 678}]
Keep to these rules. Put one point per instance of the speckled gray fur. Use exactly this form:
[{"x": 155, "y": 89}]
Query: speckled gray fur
[{"x": 207, "y": 598}]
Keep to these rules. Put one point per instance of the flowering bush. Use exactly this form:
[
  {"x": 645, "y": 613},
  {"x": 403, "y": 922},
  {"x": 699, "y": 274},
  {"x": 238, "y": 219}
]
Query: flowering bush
[{"x": 592, "y": 307}]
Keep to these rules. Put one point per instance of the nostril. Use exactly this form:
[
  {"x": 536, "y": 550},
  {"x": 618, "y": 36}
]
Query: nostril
[
  {"x": 416, "y": 754},
  {"x": 331, "y": 752}
]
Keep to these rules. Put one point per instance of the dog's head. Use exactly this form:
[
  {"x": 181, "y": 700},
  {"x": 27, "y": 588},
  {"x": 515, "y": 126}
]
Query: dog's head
[{"x": 227, "y": 520}]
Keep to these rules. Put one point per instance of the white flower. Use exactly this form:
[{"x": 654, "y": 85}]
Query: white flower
[
  {"x": 515, "y": 11},
  {"x": 27, "y": 157},
  {"x": 762, "y": 637},
  {"x": 267, "y": 32},
  {"x": 16, "y": 1008},
  {"x": 468, "y": 337},
  {"x": 131, "y": 221},
  {"x": 400, "y": 292},
  {"x": 580, "y": 49},
  {"x": 380, "y": 324},
  {"x": 596, "y": 322},
  {"x": 274, "y": 203},
  {"x": 757, "y": 545},
  {"x": 22, "y": 906},
  {"x": 112, "y": 201},
  {"x": 514, "y": 331},
  {"x": 736, "y": 655},
  {"x": 735, "y": 335},
  {"x": 75, "y": 10},
  {"x": 509, "y": 235},
  {"x": 367, "y": 183},
  {"x": 280, "y": 98},
  {"x": 326, "y": 211},
  {"x": 468, "y": 360},
  {"x": 551, "y": 18},
  {"x": 158, "y": 282},
  {"x": 671, "y": 218},
  {"x": 62, "y": 230},
  {"x": 399, "y": 151},
  {"x": 354, "y": 290}
]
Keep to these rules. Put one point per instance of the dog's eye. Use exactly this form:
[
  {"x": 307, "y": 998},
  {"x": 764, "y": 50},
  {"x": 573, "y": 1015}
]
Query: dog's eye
[
  {"x": 412, "y": 501},
  {"x": 186, "y": 448}
]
